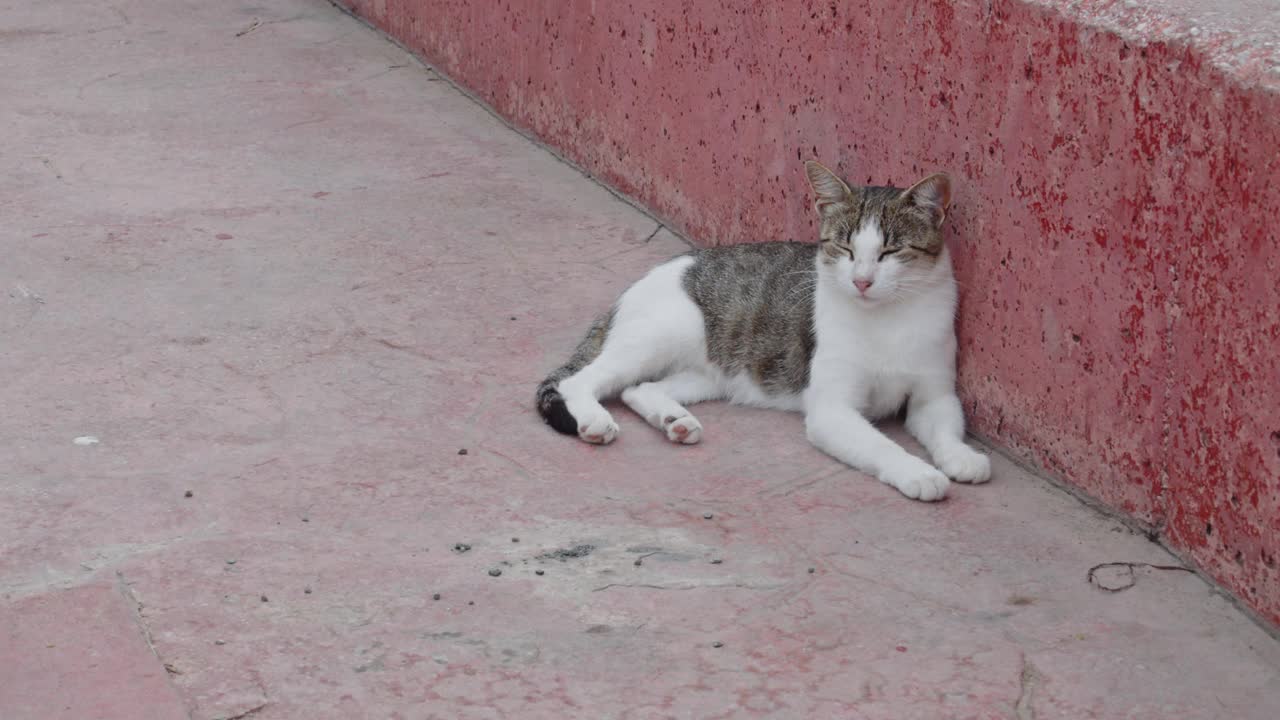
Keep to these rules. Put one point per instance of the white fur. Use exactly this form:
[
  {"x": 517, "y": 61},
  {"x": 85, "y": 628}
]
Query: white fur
[
  {"x": 866, "y": 242},
  {"x": 891, "y": 345},
  {"x": 878, "y": 349},
  {"x": 657, "y": 330}
]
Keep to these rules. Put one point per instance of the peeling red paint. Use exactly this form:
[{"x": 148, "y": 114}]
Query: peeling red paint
[{"x": 1117, "y": 185}]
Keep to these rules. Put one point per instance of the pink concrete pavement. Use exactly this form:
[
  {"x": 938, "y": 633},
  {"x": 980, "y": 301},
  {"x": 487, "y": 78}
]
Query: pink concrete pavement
[
  {"x": 262, "y": 256},
  {"x": 1113, "y": 221}
]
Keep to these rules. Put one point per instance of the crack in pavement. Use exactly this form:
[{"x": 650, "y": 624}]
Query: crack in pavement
[
  {"x": 246, "y": 713},
  {"x": 1028, "y": 679},
  {"x": 689, "y": 586}
]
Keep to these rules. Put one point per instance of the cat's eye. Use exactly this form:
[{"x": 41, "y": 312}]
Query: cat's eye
[
  {"x": 835, "y": 250},
  {"x": 886, "y": 253}
]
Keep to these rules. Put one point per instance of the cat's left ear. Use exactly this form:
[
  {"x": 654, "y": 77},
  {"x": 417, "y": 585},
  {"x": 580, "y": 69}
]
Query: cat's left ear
[{"x": 932, "y": 195}]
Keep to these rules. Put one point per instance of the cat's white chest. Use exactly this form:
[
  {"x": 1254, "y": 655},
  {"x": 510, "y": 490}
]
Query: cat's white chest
[
  {"x": 877, "y": 359},
  {"x": 875, "y": 370},
  {"x": 885, "y": 394}
]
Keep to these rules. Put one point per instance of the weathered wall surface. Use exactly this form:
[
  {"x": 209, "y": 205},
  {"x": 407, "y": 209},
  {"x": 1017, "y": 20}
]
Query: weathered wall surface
[{"x": 1114, "y": 231}]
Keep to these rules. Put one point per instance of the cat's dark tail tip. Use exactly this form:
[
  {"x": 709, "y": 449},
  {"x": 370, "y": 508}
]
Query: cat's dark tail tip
[{"x": 552, "y": 407}]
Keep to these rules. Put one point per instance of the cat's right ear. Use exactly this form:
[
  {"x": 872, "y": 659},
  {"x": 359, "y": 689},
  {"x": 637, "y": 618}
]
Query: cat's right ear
[{"x": 832, "y": 194}]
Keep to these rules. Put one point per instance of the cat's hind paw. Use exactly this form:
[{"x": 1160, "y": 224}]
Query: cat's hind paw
[
  {"x": 685, "y": 430},
  {"x": 966, "y": 465},
  {"x": 600, "y": 430}
]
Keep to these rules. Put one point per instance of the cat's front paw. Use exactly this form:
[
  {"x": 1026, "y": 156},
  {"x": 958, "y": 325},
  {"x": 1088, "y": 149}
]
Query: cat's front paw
[
  {"x": 918, "y": 481},
  {"x": 966, "y": 465}
]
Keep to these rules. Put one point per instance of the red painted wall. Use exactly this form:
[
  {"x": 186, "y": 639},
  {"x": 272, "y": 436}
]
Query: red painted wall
[{"x": 1114, "y": 231}]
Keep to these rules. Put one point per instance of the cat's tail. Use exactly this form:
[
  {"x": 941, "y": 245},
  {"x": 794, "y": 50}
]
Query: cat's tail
[{"x": 551, "y": 404}]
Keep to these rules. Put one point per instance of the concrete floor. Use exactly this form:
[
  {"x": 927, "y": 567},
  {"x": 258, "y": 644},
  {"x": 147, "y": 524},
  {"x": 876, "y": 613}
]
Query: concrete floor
[{"x": 265, "y": 278}]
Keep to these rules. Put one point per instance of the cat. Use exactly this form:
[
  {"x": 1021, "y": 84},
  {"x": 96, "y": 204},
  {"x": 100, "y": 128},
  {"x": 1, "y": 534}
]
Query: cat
[{"x": 847, "y": 331}]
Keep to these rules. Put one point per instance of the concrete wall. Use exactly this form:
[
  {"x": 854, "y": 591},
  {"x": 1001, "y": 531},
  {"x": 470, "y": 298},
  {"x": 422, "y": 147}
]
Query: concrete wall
[{"x": 1113, "y": 232}]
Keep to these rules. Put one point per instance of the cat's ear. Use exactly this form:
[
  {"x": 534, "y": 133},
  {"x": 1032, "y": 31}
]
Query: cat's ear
[
  {"x": 831, "y": 192},
  {"x": 932, "y": 195}
]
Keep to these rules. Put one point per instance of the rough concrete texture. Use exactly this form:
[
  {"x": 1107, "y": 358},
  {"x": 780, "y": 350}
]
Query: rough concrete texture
[
  {"x": 261, "y": 255},
  {"x": 1113, "y": 231},
  {"x": 79, "y": 652}
]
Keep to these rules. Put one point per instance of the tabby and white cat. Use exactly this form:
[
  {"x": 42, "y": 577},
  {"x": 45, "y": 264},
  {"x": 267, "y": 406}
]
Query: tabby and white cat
[{"x": 846, "y": 331}]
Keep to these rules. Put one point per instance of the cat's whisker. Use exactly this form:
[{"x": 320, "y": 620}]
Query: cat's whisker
[
  {"x": 809, "y": 283},
  {"x": 795, "y": 305},
  {"x": 799, "y": 288},
  {"x": 809, "y": 271},
  {"x": 908, "y": 290},
  {"x": 805, "y": 291},
  {"x": 803, "y": 285},
  {"x": 806, "y": 299},
  {"x": 791, "y": 308}
]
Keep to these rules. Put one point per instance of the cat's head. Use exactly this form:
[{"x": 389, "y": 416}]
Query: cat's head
[{"x": 881, "y": 244}]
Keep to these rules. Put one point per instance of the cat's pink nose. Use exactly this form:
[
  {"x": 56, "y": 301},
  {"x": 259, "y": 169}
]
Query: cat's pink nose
[{"x": 862, "y": 285}]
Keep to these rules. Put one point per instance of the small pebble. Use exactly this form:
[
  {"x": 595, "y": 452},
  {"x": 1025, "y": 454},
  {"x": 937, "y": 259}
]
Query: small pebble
[
  {"x": 231, "y": 562},
  {"x": 219, "y": 642},
  {"x": 463, "y": 451},
  {"x": 812, "y": 571},
  {"x": 717, "y": 644},
  {"x": 471, "y": 602},
  {"x": 263, "y": 598},
  {"x": 638, "y": 562},
  {"x": 513, "y": 317},
  {"x": 515, "y": 539},
  {"x": 539, "y": 572},
  {"x": 436, "y": 596},
  {"x": 306, "y": 519},
  {"x": 461, "y": 547},
  {"x": 187, "y": 494},
  {"x": 716, "y": 561},
  {"x": 494, "y": 572},
  {"x": 707, "y": 516}
]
